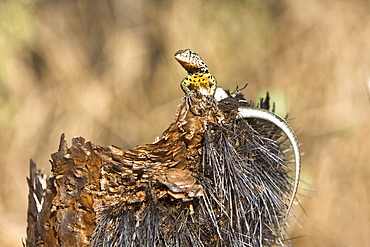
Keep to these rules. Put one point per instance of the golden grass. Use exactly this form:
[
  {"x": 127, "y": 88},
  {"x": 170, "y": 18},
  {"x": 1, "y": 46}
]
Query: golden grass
[{"x": 104, "y": 70}]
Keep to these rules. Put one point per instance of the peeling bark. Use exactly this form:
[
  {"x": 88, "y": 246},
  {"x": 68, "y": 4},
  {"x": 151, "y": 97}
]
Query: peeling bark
[{"x": 170, "y": 192}]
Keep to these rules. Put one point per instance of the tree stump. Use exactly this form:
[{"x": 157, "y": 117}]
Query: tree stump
[{"x": 210, "y": 179}]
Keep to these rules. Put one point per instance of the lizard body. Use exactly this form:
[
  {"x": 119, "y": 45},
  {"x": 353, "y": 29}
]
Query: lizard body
[{"x": 199, "y": 77}]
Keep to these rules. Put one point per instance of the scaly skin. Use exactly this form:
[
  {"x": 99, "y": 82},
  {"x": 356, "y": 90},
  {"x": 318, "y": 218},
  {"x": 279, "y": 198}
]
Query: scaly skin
[{"x": 200, "y": 79}]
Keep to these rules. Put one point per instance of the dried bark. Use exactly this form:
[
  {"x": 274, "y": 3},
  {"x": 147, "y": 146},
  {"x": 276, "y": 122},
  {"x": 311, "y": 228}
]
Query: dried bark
[{"x": 205, "y": 181}]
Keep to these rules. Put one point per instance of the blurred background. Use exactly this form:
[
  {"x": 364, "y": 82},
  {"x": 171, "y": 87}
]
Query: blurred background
[{"x": 104, "y": 70}]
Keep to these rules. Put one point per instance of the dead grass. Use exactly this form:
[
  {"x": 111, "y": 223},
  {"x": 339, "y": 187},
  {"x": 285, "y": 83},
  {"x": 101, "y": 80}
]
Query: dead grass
[{"x": 105, "y": 70}]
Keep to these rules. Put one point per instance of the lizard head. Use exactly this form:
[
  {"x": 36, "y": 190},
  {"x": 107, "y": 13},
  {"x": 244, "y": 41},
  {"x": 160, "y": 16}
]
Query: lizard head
[
  {"x": 191, "y": 61},
  {"x": 199, "y": 78}
]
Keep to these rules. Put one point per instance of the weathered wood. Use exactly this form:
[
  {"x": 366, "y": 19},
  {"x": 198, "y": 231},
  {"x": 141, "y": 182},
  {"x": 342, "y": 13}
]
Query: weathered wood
[
  {"x": 60, "y": 207},
  {"x": 87, "y": 178},
  {"x": 208, "y": 180}
]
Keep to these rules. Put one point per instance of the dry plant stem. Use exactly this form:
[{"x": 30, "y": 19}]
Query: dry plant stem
[
  {"x": 122, "y": 197},
  {"x": 283, "y": 125}
]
